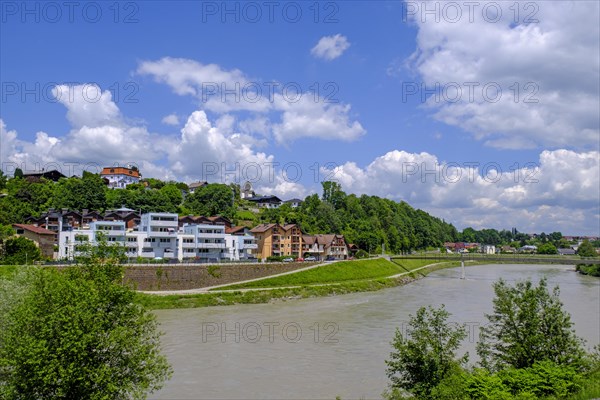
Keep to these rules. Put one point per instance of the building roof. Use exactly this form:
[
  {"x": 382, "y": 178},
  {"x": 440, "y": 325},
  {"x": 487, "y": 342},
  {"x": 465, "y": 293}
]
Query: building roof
[
  {"x": 195, "y": 185},
  {"x": 53, "y": 175},
  {"x": 120, "y": 171},
  {"x": 235, "y": 230},
  {"x": 265, "y": 199},
  {"x": 294, "y": 201},
  {"x": 262, "y": 228},
  {"x": 34, "y": 229},
  {"x": 566, "y": 251}
]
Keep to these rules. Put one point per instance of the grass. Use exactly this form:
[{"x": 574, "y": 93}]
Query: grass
[
  {"x": 336, "y": 272},
  {"x": 266, "y": 296}
]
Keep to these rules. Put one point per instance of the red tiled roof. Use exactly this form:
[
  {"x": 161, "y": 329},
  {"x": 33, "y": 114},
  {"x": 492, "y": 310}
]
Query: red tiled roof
[
  {"x": 35, "y": 229},
  {"x": 234, "y": 229},
  {"x": 120, "y": 171},
  {"x": 262, "y": 228}
]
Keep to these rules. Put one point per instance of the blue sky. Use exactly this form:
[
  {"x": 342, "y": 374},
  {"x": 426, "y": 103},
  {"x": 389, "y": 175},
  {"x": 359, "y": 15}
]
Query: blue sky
[{"x": 155, "y": 67}]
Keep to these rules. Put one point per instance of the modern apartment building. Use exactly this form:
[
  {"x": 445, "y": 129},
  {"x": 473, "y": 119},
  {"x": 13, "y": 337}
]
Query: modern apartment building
[
  {"x": 73, "y": 242},
  {"x": 159, "y": 236},
  {"x": 278, "y": 240}
]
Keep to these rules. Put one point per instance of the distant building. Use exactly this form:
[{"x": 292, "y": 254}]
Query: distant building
[
  {"x": 266, "y": 201},
  {"x": 43, "y": 238},
  {"x": 195, "y": 185},
  {"x": 120, "y": 177},
  {"x": 36, "y": 176},
  {"x": 488, "y": 249},
  {"x": 566, "y": 252},
  {"x": 294, "y": 203}
]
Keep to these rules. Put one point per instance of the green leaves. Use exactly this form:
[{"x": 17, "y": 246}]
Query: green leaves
[
  {"x": 19, "y": 251},
  {"x": 77, "y": 335},
  {"x": 528, "y": 325},
  {"x": 425, "y": 355}
]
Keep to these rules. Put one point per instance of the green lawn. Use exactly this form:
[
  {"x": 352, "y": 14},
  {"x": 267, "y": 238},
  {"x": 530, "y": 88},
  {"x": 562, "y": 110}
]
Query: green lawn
[
  {"x": 342, "y": 271},
  {"x": 155, "y": 302}
]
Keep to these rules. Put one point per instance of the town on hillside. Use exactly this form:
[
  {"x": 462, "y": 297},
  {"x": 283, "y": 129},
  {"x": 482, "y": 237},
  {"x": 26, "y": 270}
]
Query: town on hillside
[{"x": 176, "y": 222}]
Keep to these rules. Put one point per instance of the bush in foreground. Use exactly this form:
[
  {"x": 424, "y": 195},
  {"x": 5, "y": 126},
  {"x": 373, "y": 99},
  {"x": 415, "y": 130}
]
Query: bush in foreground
[{"x": 77, "y": 334}]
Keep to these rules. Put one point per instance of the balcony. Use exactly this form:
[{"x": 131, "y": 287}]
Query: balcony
[
  {"x": 249, "y": 246},
  {"x": 147, "y": 254},
  {"x": 211, "y": 235},
  {"x": 172, "y": 234},
  {"x": 170, "y": 224},
  {"x": 210, "y": 245},
  {"x": 188, "y": 245}
]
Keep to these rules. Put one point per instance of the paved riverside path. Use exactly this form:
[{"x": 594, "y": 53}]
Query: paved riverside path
[{"x": 206, "y": 290}]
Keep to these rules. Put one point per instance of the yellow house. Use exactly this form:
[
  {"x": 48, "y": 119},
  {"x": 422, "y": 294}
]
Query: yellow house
[{"x": 278, "y": 240}]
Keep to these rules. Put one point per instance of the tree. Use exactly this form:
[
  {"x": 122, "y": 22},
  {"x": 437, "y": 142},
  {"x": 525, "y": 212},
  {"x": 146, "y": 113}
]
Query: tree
[
  {"x": 426, "y": 354},
  {"x": 77, "y": 334},
  {"x": 528, "y": 325},
  {"x": 586, "y": 249},
  {"x": 547, "y": 248},
  {"x": 19, "y": 251},
  {"x": 211, "y": 199},
  {"x": 18, "y": 173},
  {"x": 3, "y": 180}
]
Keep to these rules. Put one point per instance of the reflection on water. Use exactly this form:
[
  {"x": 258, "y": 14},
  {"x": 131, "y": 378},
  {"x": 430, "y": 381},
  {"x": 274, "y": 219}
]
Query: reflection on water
[{"x": 325, "y": 347}]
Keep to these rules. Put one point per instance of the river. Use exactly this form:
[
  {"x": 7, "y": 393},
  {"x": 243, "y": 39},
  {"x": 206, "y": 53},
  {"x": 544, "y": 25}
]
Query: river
[{"x": 336, "y": 346}]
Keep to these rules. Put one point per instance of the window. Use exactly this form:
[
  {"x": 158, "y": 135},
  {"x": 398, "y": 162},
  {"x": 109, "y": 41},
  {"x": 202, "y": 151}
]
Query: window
[
  {"x": 132, "y": 239},
  {"x": 165, "y": 240}
]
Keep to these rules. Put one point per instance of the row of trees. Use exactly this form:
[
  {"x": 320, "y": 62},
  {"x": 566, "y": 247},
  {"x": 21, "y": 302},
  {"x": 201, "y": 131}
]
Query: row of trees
[
  {"x": 528, "y": 350},
  {"x": 368, "y": 221}
]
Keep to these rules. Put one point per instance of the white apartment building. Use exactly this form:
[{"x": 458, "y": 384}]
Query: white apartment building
[
  {"x": 72, "y": 242},
  {"x": 158, "y": 237},
  {"x": 240, "y": 245}
]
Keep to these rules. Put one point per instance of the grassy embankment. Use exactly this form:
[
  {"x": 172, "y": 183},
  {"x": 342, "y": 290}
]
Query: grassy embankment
[{"x": 328, "y": 280}]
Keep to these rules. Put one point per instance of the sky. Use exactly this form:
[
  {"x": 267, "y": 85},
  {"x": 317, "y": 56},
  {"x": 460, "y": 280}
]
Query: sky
[{"x": 485, "y": 114}]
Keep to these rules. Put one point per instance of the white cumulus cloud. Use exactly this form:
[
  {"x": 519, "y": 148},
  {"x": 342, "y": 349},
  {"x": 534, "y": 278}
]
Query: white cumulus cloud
[{"x": 330, "y": 47}]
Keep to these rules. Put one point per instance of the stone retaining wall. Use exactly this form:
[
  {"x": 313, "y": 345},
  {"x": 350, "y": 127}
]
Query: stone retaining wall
[{"x": 182, "y": 277}]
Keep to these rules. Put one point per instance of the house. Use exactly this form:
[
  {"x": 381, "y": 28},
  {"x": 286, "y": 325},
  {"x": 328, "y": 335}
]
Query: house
[
  {"x": 195, "y": 185},
  {"x": 266, "y": 201},
  {"x": 566, "y": 252},
  {"x": 325, "y": 247},
  {"x": 36, "y": 176},
  {"x": 528, "y": 249},
  {"x": 353, "y": 249},
  {"x": 488, "y": 249},
  {"x": 43, "y": 238},
  {"x": 508, "y": 249},
  {"x": 120, "y": 177},
  {"x": 278, "y": 240},
  {"x": 294, "y": 203}
]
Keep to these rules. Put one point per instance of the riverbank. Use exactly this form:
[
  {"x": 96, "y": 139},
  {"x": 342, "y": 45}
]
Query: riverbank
[{"x": 254, "y": 294}]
